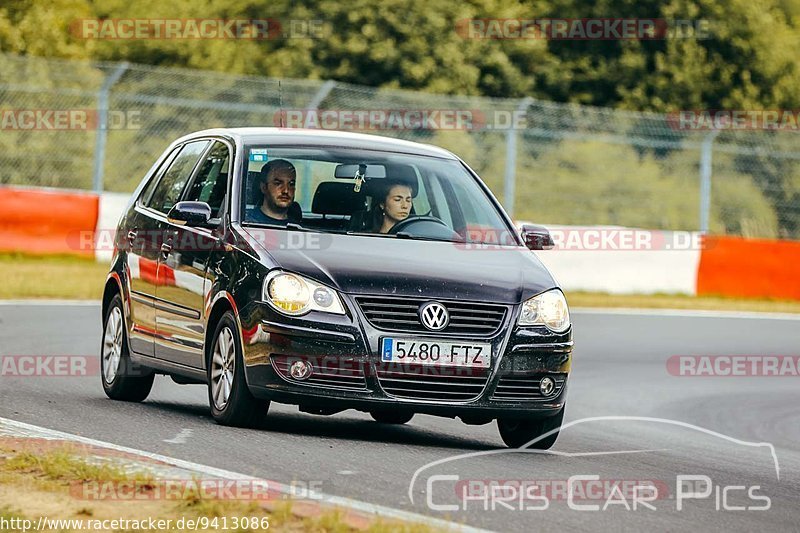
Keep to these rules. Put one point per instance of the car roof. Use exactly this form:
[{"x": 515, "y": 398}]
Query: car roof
[{"x": 314, "y": 137}]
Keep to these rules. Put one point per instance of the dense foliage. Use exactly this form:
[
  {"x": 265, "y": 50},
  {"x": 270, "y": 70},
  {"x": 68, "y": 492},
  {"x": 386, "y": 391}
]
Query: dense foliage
[{"x": 749, "y": 58}]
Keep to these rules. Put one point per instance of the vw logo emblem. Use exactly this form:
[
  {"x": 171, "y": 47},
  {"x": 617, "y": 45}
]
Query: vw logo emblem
[{"x": 434, "y": 316}]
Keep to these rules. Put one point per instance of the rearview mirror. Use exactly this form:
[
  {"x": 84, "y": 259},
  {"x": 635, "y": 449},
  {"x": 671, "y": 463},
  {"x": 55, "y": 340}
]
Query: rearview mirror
[
  {"x": 537, "y": 237},
  {"x": 190, "y": 214},
  {"x": 349, "y": 171}
]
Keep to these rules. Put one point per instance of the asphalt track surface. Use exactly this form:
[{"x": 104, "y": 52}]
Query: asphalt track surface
[{"x": 697, "y": 426}]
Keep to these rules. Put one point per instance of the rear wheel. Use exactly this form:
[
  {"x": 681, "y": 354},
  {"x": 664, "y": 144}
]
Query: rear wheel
[
  {"x": 518, "y": 432},
  {"x": 122, "y": 380},
  {"x": 232, "y": 404},
  {"x": 391, "y": 417}
]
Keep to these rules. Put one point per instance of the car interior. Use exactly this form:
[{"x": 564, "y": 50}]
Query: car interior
[{"x": 342, "y": 205}]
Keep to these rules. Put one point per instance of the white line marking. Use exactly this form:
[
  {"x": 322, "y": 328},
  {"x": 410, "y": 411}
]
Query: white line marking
[
  {"x": 181, "y": 437},
  {"x": 364, "y": 507},
  {"x": 694, "y": 313}
]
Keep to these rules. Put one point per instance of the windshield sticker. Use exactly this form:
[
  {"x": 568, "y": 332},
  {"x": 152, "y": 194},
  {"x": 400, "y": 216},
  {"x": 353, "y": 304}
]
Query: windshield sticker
[{"x": 259, "y": 155}]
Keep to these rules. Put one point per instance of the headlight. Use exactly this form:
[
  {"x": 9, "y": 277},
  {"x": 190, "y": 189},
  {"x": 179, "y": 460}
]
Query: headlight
[
  {"x": 548, "y": 308},
  {"x": 295, "y": 295}
]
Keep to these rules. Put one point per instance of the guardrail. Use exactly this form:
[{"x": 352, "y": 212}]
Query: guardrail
[{"x": 609, "y": 259}]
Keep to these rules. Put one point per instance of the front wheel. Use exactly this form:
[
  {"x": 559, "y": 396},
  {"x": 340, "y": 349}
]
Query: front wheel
[
  {"x": 232, "y": 404},
  {"x": 122, "y": 380},
  {"x": 516, "y": 433}
]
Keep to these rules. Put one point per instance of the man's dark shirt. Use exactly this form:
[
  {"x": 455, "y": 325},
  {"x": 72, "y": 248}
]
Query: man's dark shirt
[{"x": 258, "y": 216}]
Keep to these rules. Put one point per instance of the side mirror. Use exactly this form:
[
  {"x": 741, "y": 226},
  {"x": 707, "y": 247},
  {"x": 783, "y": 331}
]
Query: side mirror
[
  {"x": 537, "y": 237},
  {"x": 190, "y": 214}
]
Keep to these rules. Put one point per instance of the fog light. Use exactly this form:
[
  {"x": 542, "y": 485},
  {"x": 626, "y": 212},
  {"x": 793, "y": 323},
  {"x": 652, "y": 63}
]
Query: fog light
[
  {"x": 547, "y": 386},
  {"x": 300, "y": 370}
]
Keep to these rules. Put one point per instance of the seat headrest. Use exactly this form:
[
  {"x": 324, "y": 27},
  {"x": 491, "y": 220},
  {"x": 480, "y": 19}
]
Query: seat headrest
[
  {"x": 254, "y": 196},
  {"x": 337, "y": 198}
]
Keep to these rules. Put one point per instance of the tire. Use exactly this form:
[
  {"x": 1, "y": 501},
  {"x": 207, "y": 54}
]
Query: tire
[
  {"x": 225, "y": 369},
  {"x": 391, "y": 417},
  {"x": 516, "y": 433},
  {"x": 122, "y": 379}
]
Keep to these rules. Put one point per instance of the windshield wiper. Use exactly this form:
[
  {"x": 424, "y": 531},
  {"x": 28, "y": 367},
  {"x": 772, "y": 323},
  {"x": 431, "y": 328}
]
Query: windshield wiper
[{"x": 411, "y": 236}]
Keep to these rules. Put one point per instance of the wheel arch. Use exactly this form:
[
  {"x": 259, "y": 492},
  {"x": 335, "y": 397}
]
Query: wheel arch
[
  {"x": 112, "y": 287},
  {"x": 223, "y": 302}
]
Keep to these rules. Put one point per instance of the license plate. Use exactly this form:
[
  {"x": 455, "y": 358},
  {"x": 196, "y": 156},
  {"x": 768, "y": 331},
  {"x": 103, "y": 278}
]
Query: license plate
[{"x": 427, "y": 352}]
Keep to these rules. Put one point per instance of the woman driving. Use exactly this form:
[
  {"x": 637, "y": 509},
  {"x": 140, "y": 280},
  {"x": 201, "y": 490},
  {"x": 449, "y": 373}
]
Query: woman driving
[{"x": 392, "y": 206}]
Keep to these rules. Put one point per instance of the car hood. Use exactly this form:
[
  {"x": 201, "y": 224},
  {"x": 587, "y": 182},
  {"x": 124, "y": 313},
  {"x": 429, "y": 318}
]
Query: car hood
[{"x": 401, "y": 267}]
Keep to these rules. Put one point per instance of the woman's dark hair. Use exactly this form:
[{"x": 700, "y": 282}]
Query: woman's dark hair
[{"x": 381, "y": 191}]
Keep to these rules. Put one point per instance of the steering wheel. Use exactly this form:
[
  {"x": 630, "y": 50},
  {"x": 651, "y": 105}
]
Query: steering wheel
[{"x": 406, "y": 222}]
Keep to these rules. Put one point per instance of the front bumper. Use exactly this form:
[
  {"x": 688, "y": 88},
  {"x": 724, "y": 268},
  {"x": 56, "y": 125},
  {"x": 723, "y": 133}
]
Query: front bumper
[{"x": 349, "y": 374}]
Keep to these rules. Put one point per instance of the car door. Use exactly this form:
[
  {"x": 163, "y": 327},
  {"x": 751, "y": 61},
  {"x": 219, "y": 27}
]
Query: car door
[
  {"x": 146, "y": 231},
  {"x": 140, "y": 227},
  {"x": 180, "y": 301}
]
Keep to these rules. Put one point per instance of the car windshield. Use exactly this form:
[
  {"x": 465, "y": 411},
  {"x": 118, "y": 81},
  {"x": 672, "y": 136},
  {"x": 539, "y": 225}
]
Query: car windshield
[{"x": 367, "y": 192}]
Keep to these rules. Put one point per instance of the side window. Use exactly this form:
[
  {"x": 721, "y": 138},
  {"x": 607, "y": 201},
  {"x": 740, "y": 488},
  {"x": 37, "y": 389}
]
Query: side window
[
  {"x": 211, "y": 182},
  {"x": 171, "y": 186},
  {"x": 148, "y": 190}
]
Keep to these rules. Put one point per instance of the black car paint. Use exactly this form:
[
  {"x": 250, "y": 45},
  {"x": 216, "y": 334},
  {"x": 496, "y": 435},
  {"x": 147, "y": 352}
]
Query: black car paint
[{"x": 237, "y": 264}]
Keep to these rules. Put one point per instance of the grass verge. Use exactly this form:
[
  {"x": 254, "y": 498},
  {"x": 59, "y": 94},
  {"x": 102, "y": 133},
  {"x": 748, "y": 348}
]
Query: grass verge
[
  {"x": 70, "y": 278},
  {"x": 41, "y": 482},
  {"x": 678, "y": 301},
  {"x": 60, "y": 277}
]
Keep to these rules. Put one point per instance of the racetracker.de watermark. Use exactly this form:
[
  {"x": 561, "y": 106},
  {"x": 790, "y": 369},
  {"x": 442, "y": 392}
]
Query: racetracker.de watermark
[
  {"x": 49, "y": 366},
  {"x": 402, "y": 119},
  {"x": 494, "y": 494},
  {"x": 735, "y": 119},
  {"x": 196, "y": 488},
  {"x": 145, "y": 241},
  {"x": 68, "y": 120},
  {"x": 197, "y": 29},
  {"x": 589, "y": 239},
  {"x": 583, "y": 29},
  {"x": 734, "y": 365},
  {"x": 473, "y": 239}
]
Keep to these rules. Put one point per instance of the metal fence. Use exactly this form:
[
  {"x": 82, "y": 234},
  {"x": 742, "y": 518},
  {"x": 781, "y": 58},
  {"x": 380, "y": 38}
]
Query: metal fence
[{"x": 557, "y": 164}]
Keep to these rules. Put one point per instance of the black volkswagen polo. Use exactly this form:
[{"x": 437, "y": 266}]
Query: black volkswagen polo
[{"x": 334, "y": 271}]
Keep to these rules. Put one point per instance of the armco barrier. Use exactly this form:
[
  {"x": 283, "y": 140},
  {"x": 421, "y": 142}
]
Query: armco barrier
[
  {"x": 734, "y": 266},
  {"x": 112, "y": 207},
  {"x": 625, "y": 271},
  {"x": 600, "y": 259},
  {"x": 38, "y": 221},
  {"x": 45, "y": 221}
]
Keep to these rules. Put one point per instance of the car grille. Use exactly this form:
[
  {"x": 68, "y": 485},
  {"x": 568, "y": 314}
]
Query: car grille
[
  {"x": 526, "y": 388},
  {"x": 400, "y": 314},
  {"x": 421, "y": 382},
  {"x": 339, "y": 373}
]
